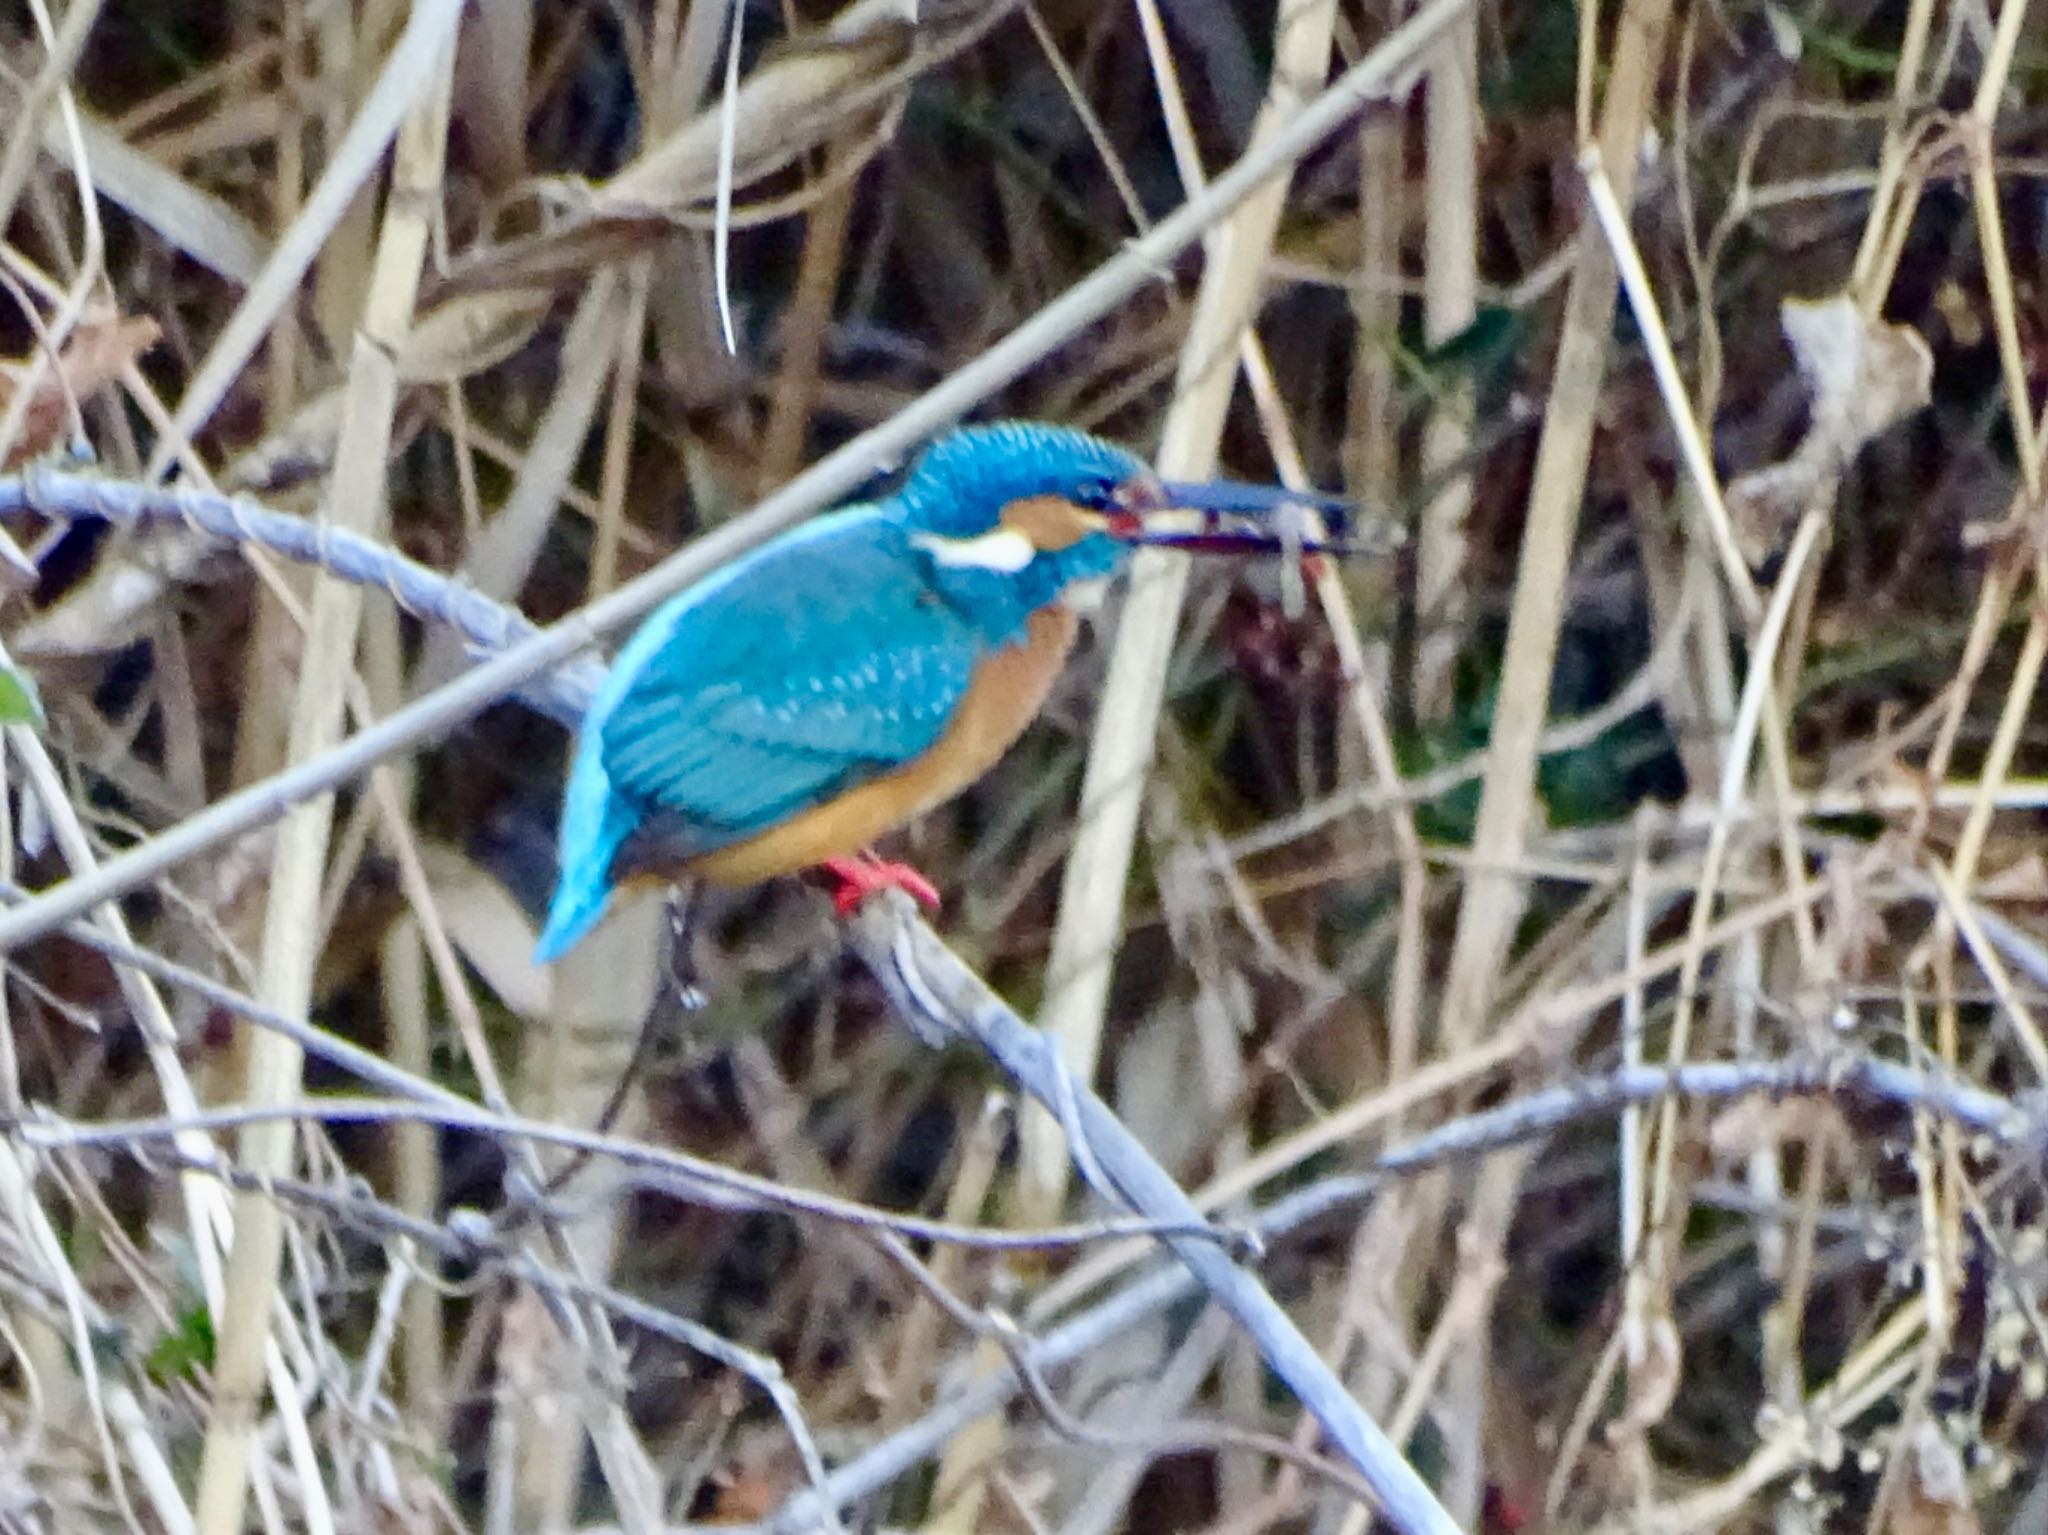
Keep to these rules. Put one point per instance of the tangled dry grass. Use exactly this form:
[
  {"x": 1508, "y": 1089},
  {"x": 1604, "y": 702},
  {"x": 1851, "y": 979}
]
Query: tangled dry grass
[{"x": 1599, "y": 954}]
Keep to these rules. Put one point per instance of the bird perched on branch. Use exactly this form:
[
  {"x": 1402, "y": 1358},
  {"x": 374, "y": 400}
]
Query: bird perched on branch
[{"x": 863, "y": 667}]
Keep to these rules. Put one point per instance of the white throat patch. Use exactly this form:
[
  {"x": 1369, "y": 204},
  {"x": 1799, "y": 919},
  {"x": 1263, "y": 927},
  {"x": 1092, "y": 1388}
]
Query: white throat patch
[{"x": 1004, "y": 549}]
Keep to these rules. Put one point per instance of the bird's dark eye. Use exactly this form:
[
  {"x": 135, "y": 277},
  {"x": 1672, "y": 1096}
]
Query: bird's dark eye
[{"x": 1099, "y": 495}]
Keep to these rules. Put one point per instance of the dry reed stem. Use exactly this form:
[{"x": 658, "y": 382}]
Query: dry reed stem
[
  {"x": 416, "y": 1174},
  {"x": 1868, "y": 276},
  {"x": 802, "y": 332},
  {"x": 1757, "y": 699},
  {"x": 1492, "y": 903},
  {"x": 1097, "y": 870},
  {"x": 615, "y": 475},
  {"x": 289, "y": 946},
  {"x": 409, "y": 72},
  {"x": 51, "y": 87},
  {"x": 188, "y": 218},
  {"x": 1452, "y": 129},
  {"x": 959, "y": 1483},
  {"x": 500, "y": 562},
  {"x": 1699, "y": 460}
]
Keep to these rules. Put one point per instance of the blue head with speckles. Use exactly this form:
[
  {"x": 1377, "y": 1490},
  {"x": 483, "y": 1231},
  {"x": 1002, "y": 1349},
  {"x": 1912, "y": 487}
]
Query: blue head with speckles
[
  {"x": 965, "y": 479},
  {"x": 1011, "y": 514}
]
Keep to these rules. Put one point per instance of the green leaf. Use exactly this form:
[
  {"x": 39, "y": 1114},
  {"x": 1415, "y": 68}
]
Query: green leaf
[
  {"x": 179, "y": 1354},
  {"x": 19, "y": 702}
]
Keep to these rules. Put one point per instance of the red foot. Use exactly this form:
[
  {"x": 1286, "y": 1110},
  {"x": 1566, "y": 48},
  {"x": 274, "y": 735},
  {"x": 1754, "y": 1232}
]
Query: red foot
[{"x": 862, "y": 875}]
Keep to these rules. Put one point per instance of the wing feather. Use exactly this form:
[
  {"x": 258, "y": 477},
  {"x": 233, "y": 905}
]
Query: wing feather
[{"x": 769, "y": 694}]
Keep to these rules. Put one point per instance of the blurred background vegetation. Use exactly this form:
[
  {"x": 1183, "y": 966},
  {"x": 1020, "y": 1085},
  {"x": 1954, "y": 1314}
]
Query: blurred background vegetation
[{"x": 1790, "y": 1316}]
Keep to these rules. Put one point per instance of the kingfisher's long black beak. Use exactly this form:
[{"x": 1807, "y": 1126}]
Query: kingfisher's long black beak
[
  {"x": 1228, "y": 516},
  {"x": 1234, "y": 497}
]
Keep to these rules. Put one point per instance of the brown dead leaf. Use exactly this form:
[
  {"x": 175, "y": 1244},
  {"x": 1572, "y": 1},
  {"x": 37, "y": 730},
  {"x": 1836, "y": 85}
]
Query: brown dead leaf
[
  {"x": 798, "y": 102},
  {"x": 299, "y": 451},
  {"x": 94, "y": 357},
  {"x": 469, "y": 332},
  {"x": 1652, "y": 1380},
  {"x": 1933, "y": 1495},
  {"x": 118, "y": 603},
  {"x": 1757, "y": 1124},
  {"x": 2023, "y": 880},
  {"x": 815, "y": 91},
  {"x": 490, "y": 928},
  {"x": 1862, "y": 377}
]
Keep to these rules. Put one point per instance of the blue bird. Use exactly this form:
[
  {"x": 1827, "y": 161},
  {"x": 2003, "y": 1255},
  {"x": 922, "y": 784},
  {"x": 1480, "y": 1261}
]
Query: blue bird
[{"x": 854, "y": 672}]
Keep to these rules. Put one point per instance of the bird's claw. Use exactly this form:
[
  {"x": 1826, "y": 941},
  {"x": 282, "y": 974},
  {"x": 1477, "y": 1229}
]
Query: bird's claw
[{"x": 857, "y": 878}]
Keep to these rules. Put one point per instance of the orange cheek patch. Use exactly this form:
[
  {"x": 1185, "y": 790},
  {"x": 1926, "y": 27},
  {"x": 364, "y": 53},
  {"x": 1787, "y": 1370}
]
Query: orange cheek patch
[{"x": 1051, "y": 523}]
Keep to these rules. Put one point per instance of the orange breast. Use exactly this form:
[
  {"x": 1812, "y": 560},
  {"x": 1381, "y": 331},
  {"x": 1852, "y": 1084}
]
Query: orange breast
[{"x": 1007, "y": 692}]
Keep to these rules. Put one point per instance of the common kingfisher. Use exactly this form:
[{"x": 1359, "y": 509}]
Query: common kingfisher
[{"x": 787, "y": 711}]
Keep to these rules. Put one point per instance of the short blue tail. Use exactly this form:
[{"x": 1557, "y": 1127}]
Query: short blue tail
[{"x": 595, "y": 823}]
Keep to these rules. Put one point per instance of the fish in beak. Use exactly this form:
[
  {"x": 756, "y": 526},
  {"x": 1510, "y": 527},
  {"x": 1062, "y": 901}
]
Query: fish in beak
[{"x": 1228, "y": 516}]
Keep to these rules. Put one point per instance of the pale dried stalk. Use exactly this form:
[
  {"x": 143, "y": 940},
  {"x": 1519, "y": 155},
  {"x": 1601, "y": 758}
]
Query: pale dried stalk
[
  {"x": 499, "y": 563},
  {"x": 277, "y": 624},
  {"x": 1758, "y": 697},
  {"x": 1998, "y": 279},
  {"x": 1372, "y": 449},
  {"x": 420, "y": 52},
  {"x": 205, "y": 1200},
  {"x": 492, "y": 109},
  {"x": 416, "y": 1172},
  {"x": 802, "y": 330},
  {"x": 1494, "y": 895},
  {"x": 615, "y": 475},
  {"x": 1106, "y": 1505},
  {"x": 50, "y": 86},
  {"x": 187, "y": 218},
  {"x": 290, "y": 932},
  {"x": 347, "y": 42},
  {"x": 1493, "y": 900},
  {"x": 1092, "y": 890},
  {"x": 86, "y": 280},
  {"x": 1868, "y": 277},
  {"x": 1692, "y": 443},
  {"x": 1450, "y": 301},
  {"x": 567, "y": 1068},
  {"x": 960, "y": 1483}
]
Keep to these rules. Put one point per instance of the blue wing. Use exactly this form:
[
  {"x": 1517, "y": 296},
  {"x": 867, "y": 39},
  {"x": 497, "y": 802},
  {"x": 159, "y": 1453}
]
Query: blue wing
[
  {"x": 817, "y": 661},
  {"x": 821, "y": 661}
]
